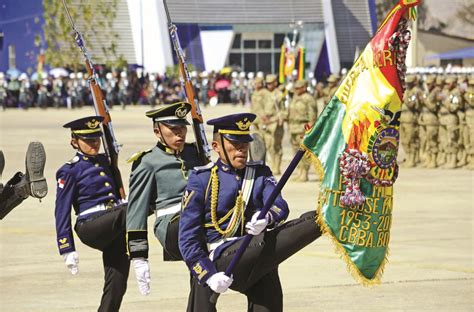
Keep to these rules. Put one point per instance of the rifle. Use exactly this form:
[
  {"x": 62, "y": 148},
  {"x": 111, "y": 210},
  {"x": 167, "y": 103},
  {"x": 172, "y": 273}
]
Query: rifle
[
  {"x": 198, "y": 127},
  {"x": 109, "y": 141}
]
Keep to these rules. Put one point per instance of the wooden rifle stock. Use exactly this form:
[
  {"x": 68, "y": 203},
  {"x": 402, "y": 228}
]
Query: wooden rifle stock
[{"x": 110, "y": 144}]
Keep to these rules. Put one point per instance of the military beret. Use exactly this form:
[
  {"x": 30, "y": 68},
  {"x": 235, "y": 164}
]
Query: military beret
[
  {"x": 87, "y": 127},
  {"x": 259, "y": 80},
  {"x": 301, "y": 83},
  {"x": 173, "y": 114},
  {"x": 270, "y": 78},
  {"x": 235, "y": 127}
]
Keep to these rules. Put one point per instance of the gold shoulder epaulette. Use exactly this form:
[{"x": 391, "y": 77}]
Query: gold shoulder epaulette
[{"x": 137, "y": 155}]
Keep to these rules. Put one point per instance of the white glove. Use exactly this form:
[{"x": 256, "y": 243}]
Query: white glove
[
  {"x": 142, "y": 273},
  {"x": 219, "y": 282},
  {"x": 71, "y": 259},
  {"x": 254, "y": 226}
]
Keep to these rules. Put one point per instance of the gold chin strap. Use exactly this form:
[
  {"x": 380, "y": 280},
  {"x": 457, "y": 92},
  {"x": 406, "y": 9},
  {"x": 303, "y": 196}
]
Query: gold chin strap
[
  {"x": 238, "y": 208},
  {"x": 89, "y": 131},
  {"x": 222, "y": 131}
]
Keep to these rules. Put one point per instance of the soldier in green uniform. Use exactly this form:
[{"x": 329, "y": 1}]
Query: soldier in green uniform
[
  {"x": 302, "y": 110},
  {"x": 449, "y": 121},
  {"x": 469, "y": 133},
  {"x": 408, "y": 120},
  {"x": 428, "y": 121},
  {"x": 157, "y": 182},
  {"x": 272, "y": 123}
]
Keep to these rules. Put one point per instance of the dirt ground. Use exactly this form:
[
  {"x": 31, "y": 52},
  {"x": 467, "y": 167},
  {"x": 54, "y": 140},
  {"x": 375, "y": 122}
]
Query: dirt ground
[{"x": 431, "y": 250}]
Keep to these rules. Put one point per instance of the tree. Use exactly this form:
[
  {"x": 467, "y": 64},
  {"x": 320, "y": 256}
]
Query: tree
[
  {"x": 94, "y": 19},
  {"x": 466, "y": 14}
]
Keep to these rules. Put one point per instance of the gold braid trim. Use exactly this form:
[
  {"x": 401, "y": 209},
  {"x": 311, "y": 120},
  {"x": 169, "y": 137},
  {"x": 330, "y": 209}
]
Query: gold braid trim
[{"x": 214, "y": 198}]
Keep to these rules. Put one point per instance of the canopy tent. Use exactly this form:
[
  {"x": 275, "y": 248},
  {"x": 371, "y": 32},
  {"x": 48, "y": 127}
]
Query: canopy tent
[{"x": 453, "y": 54}]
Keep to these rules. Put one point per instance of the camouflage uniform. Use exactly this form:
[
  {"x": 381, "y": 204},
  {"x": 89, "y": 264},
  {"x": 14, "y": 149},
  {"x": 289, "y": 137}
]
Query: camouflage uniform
[
  {"x": 428, "y": 121},
  {"x": 302, "y": 110},
  {"x": 408, "y": 121},
  {"x": 469, "y": 133},
  {"x": 330, "y": 89},
  {"x": 272, "y": 130},
  {"x": 449, "y": 121}
]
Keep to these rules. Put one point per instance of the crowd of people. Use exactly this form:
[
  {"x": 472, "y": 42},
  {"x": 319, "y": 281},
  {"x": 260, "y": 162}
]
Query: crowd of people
[{"x": 436, "y": 120}]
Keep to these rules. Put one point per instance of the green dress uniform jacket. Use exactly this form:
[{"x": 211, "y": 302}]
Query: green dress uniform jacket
[{"x": 158, "y": 179}]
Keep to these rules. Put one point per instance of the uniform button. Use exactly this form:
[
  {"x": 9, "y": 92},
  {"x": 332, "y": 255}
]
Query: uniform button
[
  {"x": 85, "y": 158},
  {"x": 107, "y": 184},
  {"x": 97, "y": 165},
  {"x": 111, "y": 194},
  {"x": 237, "y": 177},
  {"x": 102, "y": 173}
]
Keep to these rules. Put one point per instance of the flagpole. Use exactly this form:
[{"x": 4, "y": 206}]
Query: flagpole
[{"x": 247, "y": 238}]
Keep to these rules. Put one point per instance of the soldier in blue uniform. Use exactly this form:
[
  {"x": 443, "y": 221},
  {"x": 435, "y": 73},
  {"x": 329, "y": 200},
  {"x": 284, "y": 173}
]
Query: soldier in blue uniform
[
  {"x": 157, "y": 182},
  {"x": 85, "y": 184},
  {"x": 221, "y": 203}
]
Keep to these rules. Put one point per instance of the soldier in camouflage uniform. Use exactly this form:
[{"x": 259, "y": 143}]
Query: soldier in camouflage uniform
[
  {"x": 302, "y": 110},
  {"x": 463, "y": 130},
  {"x": 408, "y": 120},
  {"x": 469, "y": 133},
  {"x": 330, "y": 89},
  {"x": 262, "y": 101},
  {"x": 428, "y": 121},
  {"x": 272, "y": 117},
  {"x": 449, "y": 121}
]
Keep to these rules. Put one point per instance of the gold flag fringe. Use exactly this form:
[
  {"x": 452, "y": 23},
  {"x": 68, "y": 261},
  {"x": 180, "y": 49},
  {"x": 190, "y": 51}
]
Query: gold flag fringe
[{"x": 351, "y": 267}]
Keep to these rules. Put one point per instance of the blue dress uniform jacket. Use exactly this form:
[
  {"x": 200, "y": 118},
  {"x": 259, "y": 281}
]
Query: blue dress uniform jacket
[
  {"x": 196, "y": 220},
  {"x": 82, "y": 183}
]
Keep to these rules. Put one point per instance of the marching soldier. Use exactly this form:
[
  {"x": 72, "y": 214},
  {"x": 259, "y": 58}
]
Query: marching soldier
[
  {"x": 157, "y": 182},
  {"x": 302, "y": 111},
  {"x": 22, "y": 185},
  {"x": 428, "y": 121},
  {"x": 221, "y": 202},
  {"x": 408, "y": 120},
  {"x": 85, "y": 184}
]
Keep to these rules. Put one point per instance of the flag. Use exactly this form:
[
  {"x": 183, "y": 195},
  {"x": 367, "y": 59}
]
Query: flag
[
  {"x": 301, "y": 63},
  {"x": 354, "y": 145}
]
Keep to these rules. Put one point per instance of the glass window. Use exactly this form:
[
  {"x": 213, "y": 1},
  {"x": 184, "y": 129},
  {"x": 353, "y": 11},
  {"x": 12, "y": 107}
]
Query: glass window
[
  {"x": 235, "y": 59},
  {"x": 250, "y": 62},
  {"x": 237, "y": 41},
  {"x": 278, "y": 40},
  {"x": 250, "y": 44},
  {"x": 264, "y": 44},
  {"x": 265, "y": 62}
]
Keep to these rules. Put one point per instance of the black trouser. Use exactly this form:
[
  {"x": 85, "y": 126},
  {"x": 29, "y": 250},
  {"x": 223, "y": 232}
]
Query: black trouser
[
  {"x": 106, "y": 232},
  {"x": 13, "y": 193},
  {"x": 171, "y": 249},
  {"x": 256, "y": 274}
]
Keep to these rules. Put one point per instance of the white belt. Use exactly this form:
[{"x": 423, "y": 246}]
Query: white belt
[
  {"x": 96, "y": 208},
  {"x": 169, "y": 210},
  {"x": 213, "y": 246}
]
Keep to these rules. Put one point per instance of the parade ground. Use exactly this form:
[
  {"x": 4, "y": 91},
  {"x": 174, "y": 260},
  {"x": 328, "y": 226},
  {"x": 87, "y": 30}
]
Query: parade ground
[{"x": 430, "y": 266}]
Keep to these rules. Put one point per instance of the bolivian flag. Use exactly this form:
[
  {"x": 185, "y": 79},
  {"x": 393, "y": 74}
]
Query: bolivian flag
[{"x": 354, "y": 144}]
